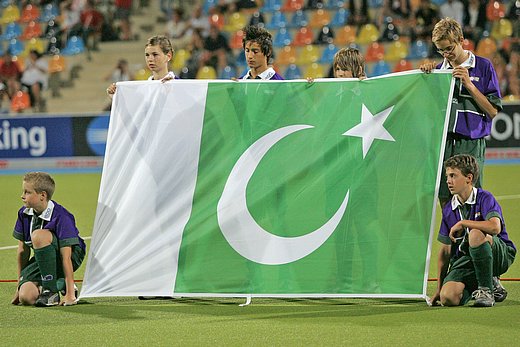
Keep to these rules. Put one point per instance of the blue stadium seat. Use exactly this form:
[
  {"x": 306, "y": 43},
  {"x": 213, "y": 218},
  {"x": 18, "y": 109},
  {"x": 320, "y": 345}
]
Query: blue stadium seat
[
  {"x": 340, "y": 18},
  {"x": 299, "y": 19},
  {"x": 16, "y": 47},
  {"x": 74, "y": 45},
  {"x": 49, "y": 12},
  {"x": 272, "y": 5},
  {"x": 327, "y": 57},
  {"x": 227, "y": 73},
  {"x": 375, "y": 3},
  {"x": 240, "y": 59},
  {"x": 418, "y": 50},
  {"x": 380, "y": 68},
  {"x": 2, "y": 51},
  {"x": 282, "y": 38},
  {"x": 208, "y": 4},
  {"x": 293, "y": 72},
  {"x": 12, "y": 31},
  {"x": 278, "y": 20},
  {"x": 335, "y": 4}
]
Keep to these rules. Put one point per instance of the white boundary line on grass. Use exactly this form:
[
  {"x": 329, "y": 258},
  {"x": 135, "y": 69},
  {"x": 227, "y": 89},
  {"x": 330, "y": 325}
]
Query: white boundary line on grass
[
  {"x": 503, "y": 197},
  {"x": 13, "y": 247}
]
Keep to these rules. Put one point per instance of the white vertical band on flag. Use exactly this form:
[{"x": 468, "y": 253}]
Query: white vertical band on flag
[{"x": 141, "y": 188}]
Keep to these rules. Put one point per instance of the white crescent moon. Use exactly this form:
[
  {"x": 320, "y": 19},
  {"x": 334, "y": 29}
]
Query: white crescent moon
[{"x": 240, "y": 229}]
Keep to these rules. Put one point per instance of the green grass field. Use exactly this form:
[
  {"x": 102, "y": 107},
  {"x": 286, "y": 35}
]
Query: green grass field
[{"x": 266, "y": 322}]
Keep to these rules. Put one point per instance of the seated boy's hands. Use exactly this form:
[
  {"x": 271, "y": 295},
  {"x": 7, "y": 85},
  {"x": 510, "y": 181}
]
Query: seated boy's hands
[
  {"x": 456, "y": 231},
  {"x": 16, "y": 298},
  {"x": 434, "y": 300}
]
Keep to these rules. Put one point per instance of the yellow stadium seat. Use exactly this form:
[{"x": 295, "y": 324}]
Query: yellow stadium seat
[
  {"x": 314, "y": 70},
  {"x": 142, "y": 75},
  {"x": 57, "y": 63},
  {"x": 501, "y": 29},
  {"x": 368, "y": 34},
  {"x": 206, "y": 73},
  {"x": 34, "y": 44},
  {"x": 309, "y": 54},
  {"x": 236, "y": 21},
  {"x": 180, "y": 58},
  {"x": 10, "y": 14},
  {"x": 486, "y": 47},
  {"x": 396, "y": 51}
]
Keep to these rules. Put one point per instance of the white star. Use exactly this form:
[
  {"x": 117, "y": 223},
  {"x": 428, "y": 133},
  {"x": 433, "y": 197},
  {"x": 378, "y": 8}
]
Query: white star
[{"x": 371, "y": 128}]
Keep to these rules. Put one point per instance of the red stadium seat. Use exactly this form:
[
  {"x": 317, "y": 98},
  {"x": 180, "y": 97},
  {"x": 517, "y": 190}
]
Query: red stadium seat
[{"x": 303, "y": 37}]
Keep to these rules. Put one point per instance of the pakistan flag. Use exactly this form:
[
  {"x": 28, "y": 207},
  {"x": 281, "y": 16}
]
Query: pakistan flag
[{"x": 215, "y": 188}]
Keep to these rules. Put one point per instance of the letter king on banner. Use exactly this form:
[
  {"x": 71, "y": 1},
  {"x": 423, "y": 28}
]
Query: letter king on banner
[{"x": 270, "y": 188}]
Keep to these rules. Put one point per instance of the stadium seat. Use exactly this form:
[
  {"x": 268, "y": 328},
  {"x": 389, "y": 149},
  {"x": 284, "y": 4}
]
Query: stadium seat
[
  {"x": 208, "y": 5},
  {"x": 486, "y": 47},
  {"x": 16, "y": 47},
  {"x": 180, "y": 58},
  {"x": 2, "y": 52},
  {"x": 314, "y": 70},
  {"x": 373, "y": 4},
  {"x": 320, "y": 18},
  {"x": 309, "y": 54},
  {"x": 12, "y": 31},
  {"x": 495, "y": 10},
  {"x": 286, "y": 55},
  {"x": 282, "y": 38},
  {"x": 57, "y": 63},
  {"x": 380, "y": 68},
  {"x": 272, "y": 5},
  {"x": 34, "y": 44},
  {"x": 217, "y": 20},
  {"x": 299, "y": 19},
  {"x": 367, "y": 34},
  {"x": 335, "y": 4},
  {"x": 303, "y": 37},
  {"x": 30, "y": 13},
  {"x": 293, "y": 5},
  {"x": 403, "y": 65},
  {"x": 240, "y": 58},
  {"x": 375, "y": 52},
  {"x": 50, "y": 12},
  {"x": 396, "y": 50},
  {"x": 345, "y": 35},
  {"x": 293, "y": 72},
  {"x": 501, "y": 29},
  {"x": 468, "y": 45},
  {"x": 20, "y": 101},
  {"x": 74, "y": 45},
  {"x": 257, "y": 19},
  {"x": 438, "y": 2},
  {"x": 327, "y": 56},
  {"x": 236, "y": 40},
  {"x": 32, "y": 29},
  {"x": 10, "y": 14},
  {"x": 236, "y": 21},
  {"x": 227, "y": 73},
  {"x": 278, "y": 21},
  {"x": 340, "y": 18},
  {"x": 206, "y": 73},
  {"x": 325, "y": 36},
  {"x": 418, "y": 50},
  {"x": 142, "y": 75}
]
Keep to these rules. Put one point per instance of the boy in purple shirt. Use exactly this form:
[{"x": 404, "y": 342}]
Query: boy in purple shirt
[
  {"x": 476, "y": 97},
  {"x": 475, "y": 245},
  {"x": 258, "y": 48},
  {"x": 51, "y": 231}
]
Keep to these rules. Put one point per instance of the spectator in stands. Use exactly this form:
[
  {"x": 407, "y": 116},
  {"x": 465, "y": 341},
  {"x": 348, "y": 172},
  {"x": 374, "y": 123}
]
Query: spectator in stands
[
  {"x": 452, "y": 9},
  {"x": 92, "y": 22},
  {"x": 216, "y": 49},
  {"x": 123, "y": 11},
  {"x": 178, "y": 29},
  {"x": 196, "y": 49},
  {"x": 426, "y": 17},
  {"x": 325, "y": 36},
  {"x": 120, "y": 73},
  {"x": 358, "y": 12},
  {"x": 10, "y": 73},
  {"x": 399, "y": 10},
  {"x": 35, "y": 78},
  {"x": 69, "y": 21},
  {"x": 5, "y": 100},
  {"x": 474, "y": 19},
  {"x": 199, "y": 21}
]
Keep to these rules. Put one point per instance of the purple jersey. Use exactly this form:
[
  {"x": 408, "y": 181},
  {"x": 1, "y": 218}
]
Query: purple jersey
[
  {"x": 482, "y": 205},
  {"x": 55, "y": 218},
  {"x": 267, "y": 75},
  {"x": 466, "y": 118}
]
